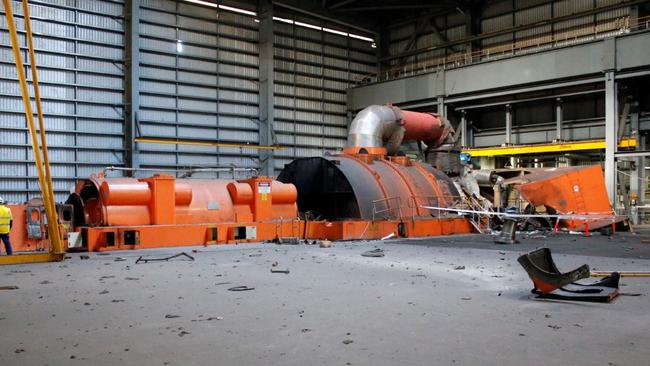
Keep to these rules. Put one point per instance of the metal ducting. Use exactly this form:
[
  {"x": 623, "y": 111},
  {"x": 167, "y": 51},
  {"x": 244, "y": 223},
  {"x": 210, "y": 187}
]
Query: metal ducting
[{"x": 385, "y": 126}]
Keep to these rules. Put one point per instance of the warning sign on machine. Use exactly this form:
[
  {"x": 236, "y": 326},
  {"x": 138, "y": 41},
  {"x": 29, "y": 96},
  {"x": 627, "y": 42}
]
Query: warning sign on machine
[{"x": 264, "y": 189}]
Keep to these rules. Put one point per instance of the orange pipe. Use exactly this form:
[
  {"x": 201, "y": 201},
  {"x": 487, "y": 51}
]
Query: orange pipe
[
  {"x": 125, "y": 193},
  {"x": 283, "y": 193},
  {"x": 422, "y": 126},
  {"x": 182, "y": 194},
  {"x": 241, "y": 193}
]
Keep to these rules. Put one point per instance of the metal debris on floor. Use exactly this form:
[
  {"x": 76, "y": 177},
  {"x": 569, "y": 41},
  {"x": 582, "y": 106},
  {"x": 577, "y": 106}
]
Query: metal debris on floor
[
  {"x": 508, "y": 232},
  {"x": 373, "y": 253},
  {"x": 164, "y": 259},
  {"x": 285, "y": 271},
  {"x": 241, "y": 288},
  {"x": 550, "y": 283}
]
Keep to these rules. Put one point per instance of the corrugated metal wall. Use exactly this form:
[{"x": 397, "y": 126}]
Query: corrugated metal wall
[
  {"x": 199, "y": 80},
  {"x": 79, "y": 51},
  {"x": 313, "y": 69}
]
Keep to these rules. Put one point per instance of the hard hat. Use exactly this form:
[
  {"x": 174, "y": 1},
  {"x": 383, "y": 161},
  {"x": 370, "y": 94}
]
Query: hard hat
[{"x": 2, "y": 201}]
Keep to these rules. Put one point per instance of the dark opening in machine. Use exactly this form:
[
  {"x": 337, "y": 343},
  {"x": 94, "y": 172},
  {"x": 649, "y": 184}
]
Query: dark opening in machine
[{"x": 325, "y": 193}]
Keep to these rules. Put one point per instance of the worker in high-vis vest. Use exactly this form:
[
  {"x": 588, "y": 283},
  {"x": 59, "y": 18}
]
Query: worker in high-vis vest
[{"x": 6, "y": 221}]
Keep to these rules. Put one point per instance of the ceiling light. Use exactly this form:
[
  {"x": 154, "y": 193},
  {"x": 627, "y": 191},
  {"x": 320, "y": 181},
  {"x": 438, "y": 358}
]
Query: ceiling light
[{"x": 237, "y": 10}]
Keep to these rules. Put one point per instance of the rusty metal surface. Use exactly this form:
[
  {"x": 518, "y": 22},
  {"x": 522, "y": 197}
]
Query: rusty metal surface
[{"x": 370, "y": 187}]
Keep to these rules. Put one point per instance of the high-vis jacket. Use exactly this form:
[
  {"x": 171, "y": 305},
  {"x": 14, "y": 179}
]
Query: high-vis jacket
[{"x": 5, "y": 219}]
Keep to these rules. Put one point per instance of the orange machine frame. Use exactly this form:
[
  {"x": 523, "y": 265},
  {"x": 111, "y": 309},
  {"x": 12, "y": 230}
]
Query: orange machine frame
[
  {"x": 159, "y": 207},
  {"x": 155, "y": 212}
]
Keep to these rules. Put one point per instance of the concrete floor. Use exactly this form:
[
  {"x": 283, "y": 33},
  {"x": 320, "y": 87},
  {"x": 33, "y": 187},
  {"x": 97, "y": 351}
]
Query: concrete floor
[{"x": 334, "y": 308}]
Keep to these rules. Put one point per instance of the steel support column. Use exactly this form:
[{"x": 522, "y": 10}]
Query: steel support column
[
  {"x": 558, "y": 119},
  {"x": 132, "y": 83},
  {"x": 442, "y": 108},
  {"x": 611, "y": 136},
  {"x": 267, "y": 113},
  {"x": 634, "y": 15},
  {"x": 508, "y": 138},
  {"x": 638, "y": 180},
  {"x": 463, "y": 129}
]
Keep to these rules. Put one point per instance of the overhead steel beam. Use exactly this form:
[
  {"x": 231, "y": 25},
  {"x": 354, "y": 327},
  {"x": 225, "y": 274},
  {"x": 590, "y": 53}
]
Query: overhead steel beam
[
  {"x": 526, "y": 100},
  {"x": 132, "y": 83},
  {"x": 632, "y": 154},
  {"x": 341, "y": 3},
  {"x": 394, "y": 7},
  {"x": 266, "y": 103}
]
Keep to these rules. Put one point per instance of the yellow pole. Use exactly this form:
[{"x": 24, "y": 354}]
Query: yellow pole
[
  {"x": 37, "y": 92},
  {"x": 623, "y": 274},
  {"x": 56, "y": 244},
  {"x": 52, "y": 221}
]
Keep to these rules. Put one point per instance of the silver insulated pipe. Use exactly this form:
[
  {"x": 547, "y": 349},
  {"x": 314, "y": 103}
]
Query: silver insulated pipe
[{"x": 377, "y": 126}]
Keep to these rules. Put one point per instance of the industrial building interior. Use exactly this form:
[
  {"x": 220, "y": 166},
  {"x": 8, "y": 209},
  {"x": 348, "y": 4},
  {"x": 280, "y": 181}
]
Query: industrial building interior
[{"x": 324, "y": 182}]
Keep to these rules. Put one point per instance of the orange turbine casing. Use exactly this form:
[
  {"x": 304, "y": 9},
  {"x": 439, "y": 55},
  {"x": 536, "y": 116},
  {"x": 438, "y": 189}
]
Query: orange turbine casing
[
  {"x": 369, "y": 196},
  {"x": 165, "y": 211}
]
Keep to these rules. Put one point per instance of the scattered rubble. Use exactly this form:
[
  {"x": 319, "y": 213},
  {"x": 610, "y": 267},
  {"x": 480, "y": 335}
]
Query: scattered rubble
[
  {"x": 373, "y": 253},
  {"x": 241, "y": 288},
  {"x": 285, "y": 271}
]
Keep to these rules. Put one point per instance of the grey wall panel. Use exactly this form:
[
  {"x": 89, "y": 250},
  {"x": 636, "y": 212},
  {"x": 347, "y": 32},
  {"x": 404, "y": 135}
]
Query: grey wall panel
[
  {"x": 79, "y": 51},
  {"x": 313, "y": 70},
  {"x": 199, "y": 81}
]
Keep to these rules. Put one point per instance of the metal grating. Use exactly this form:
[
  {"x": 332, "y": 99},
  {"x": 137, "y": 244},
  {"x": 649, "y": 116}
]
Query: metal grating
[
  {"x": 79, "y": 51},
  {"x": 199, "y": 71},
  {"x": 313, "y": 70}
]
